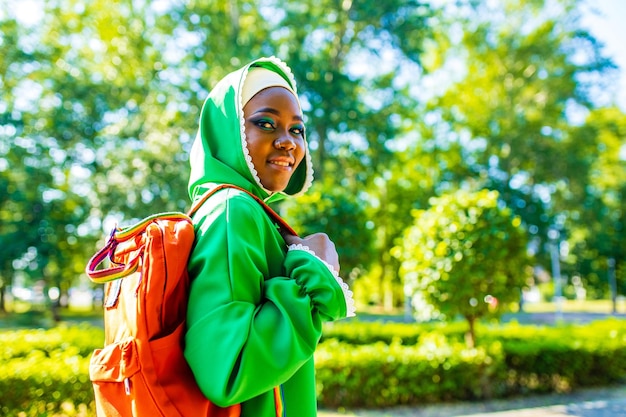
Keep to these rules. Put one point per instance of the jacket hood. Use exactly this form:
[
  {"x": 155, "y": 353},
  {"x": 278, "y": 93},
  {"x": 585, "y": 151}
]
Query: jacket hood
[{"x": 219, "y": 153}]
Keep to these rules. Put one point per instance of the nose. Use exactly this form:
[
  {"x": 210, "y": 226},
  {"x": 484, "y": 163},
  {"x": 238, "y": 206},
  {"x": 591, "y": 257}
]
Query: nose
[{"x": 285, "y": 142}]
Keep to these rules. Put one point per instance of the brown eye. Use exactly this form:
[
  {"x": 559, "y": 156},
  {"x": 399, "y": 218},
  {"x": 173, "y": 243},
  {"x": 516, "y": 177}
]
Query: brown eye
[
  {"x": 298, "y": 130},
  {"x": 265, "y": 124}
]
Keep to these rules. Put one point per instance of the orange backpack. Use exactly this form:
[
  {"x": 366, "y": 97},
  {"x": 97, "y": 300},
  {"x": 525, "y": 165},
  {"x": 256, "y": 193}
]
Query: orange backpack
[{"x": 141, "y": 371}]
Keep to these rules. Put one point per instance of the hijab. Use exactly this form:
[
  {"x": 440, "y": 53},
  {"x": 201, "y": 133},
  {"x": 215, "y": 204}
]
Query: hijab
[{"x": 219, "y": 153}]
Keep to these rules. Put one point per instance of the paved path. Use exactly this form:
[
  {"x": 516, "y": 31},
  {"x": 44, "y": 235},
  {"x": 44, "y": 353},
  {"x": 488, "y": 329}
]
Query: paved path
[
  {"x": 600, "y": 408},
  {"x": 596, "y": 402}
]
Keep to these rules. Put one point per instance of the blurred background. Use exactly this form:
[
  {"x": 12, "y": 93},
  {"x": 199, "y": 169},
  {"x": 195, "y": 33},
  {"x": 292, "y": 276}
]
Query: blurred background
[
  {"x": 458, "y": 145},
  {"x": 470, "y": 163}
]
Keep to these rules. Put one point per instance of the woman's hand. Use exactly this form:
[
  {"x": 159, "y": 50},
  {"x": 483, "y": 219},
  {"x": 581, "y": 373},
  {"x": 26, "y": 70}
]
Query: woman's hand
[{"x": 319, "y": 243}]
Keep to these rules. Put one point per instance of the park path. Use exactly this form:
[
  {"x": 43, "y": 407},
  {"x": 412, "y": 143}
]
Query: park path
[{"x": 593, "y": 402}]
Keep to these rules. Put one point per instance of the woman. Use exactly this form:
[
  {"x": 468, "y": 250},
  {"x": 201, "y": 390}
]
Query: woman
[{"x": 258, "y": 299}]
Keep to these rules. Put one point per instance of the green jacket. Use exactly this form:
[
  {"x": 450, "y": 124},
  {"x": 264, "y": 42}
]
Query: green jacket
[{"x": 256, "y": 307}]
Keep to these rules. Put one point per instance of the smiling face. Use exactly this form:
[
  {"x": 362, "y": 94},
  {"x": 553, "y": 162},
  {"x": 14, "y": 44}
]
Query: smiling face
[{"x": 275, "y": 136}]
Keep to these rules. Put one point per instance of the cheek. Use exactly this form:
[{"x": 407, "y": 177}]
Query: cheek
[
  {"x": 254, "y": 144},
  {"x": 301, "y": 154}
]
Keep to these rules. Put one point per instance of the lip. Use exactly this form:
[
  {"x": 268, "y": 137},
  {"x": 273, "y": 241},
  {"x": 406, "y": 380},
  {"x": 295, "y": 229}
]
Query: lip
[{"x": 281, "y": 162}]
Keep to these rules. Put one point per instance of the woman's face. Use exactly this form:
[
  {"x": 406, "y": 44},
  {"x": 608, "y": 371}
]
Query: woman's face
[{"x": 275, "y": 136}]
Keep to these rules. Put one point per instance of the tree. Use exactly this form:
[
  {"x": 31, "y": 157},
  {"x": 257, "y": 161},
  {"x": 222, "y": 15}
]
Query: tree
[
  {"x": 113, "y": 96},
  {"x": 596, "y": 212},
  {"x": 33, "y": 172},
  {"x": 99, "y": 105},
  {"x": 342, "y": 217},
  {"x": 465, "y": 255},
  {"x": 355, "y": 111},
  {"x": 530, "y": 71},
  {"x": 85, "y": 120}
]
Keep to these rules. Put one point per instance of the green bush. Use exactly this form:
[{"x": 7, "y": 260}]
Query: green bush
[
  {"x": 46, "y": 372},
  {"x": 382, "y": 375},
  {"x": 547, "y": 359},
  {"x": 20, "y": 343},
  {"x": 39, "y": 382},
  {"x": 527, "y": 359}
]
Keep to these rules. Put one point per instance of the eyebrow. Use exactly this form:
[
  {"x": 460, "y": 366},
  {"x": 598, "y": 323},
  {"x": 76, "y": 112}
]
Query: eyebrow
[{"x": 276, "y": 112}]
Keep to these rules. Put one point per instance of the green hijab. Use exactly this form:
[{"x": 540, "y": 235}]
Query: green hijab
[{"x": 219, "y": 153}]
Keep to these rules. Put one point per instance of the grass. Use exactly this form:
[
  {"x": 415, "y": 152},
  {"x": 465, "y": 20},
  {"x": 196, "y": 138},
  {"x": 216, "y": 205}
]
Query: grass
[
  {"x": 530, "y": 313},
  {"x": 577, "y": 306}
]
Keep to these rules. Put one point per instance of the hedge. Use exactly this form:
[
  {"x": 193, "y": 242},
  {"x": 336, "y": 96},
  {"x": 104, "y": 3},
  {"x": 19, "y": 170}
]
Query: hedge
[
  {"x": 39, "y": 384},
  {"x": 82, "y": 339},
  {"x": 517, "y": 360},
  {"x": 382, "y": 375},
  {"x": 45, "y": 372},
  {"x": 546, "y": 359}
]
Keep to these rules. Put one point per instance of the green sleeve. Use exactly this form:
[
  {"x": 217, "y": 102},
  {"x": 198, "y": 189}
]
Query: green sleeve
[
  {"x": 253, "y": 319},
  {"x": 313, "y": 276}
]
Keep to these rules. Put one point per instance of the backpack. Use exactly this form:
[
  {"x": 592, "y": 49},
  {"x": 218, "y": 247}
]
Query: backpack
[{"x": 141, "y": 370}]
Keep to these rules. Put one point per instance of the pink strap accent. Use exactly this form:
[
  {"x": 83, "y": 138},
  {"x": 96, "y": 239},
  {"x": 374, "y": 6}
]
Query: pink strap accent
[
  {"x": 117, "y": 236},
  {"x": 112, "y": 273}
]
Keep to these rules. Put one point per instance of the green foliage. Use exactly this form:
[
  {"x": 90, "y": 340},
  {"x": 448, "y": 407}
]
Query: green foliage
[
  {"x": 596, "y": 221},
  {"x": 99, "y": 105},
  {"x": 114, "y": 96},
  {"x": 376, "y": 370},
  {"x": 81, "y": 340},
  {"x": 358, "y": 364},
  {"x": 381, "y": 375},
  {"x": 521, "y": 103},
  {"x": 46, "y": 372},
  {"x": 340, "y": 215},
  {"x": 38, "y": 383},
  {"x": 560, "y": 359},
  {"x": 465, "y": 255}
]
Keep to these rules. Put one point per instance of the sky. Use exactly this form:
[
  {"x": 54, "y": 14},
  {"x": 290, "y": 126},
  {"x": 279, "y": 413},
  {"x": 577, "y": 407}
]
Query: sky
[{"x": 609, "y": 27}]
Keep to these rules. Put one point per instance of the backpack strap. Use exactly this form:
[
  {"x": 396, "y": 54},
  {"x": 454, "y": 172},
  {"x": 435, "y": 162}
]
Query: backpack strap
[
  {"x": 284, "y": 228},
  {"x": 116, "y": 271}
]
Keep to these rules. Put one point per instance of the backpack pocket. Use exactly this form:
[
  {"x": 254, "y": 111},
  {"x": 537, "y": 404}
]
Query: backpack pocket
[
  {"x": 120, "y": 387},
  {"x": 111, "y": 370}
]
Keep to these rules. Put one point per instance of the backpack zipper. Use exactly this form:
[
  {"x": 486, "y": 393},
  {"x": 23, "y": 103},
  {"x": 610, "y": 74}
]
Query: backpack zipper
[{"x": 127, "y": 386}]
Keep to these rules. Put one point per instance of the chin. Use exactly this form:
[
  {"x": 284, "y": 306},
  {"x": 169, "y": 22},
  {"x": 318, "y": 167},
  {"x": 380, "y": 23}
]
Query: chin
[{"x": 275, "y": 188}]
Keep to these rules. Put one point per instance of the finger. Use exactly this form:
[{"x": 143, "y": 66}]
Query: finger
[{"x": 291, "y": 239}]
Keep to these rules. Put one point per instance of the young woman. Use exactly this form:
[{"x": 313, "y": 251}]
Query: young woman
[{"x": 258, "y": 299}]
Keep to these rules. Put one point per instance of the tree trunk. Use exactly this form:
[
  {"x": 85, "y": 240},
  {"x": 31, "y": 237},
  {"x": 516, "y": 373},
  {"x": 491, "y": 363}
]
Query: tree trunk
[
  {"x": 3, "y": 308},
  {"x": 470, "y": 336}
]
